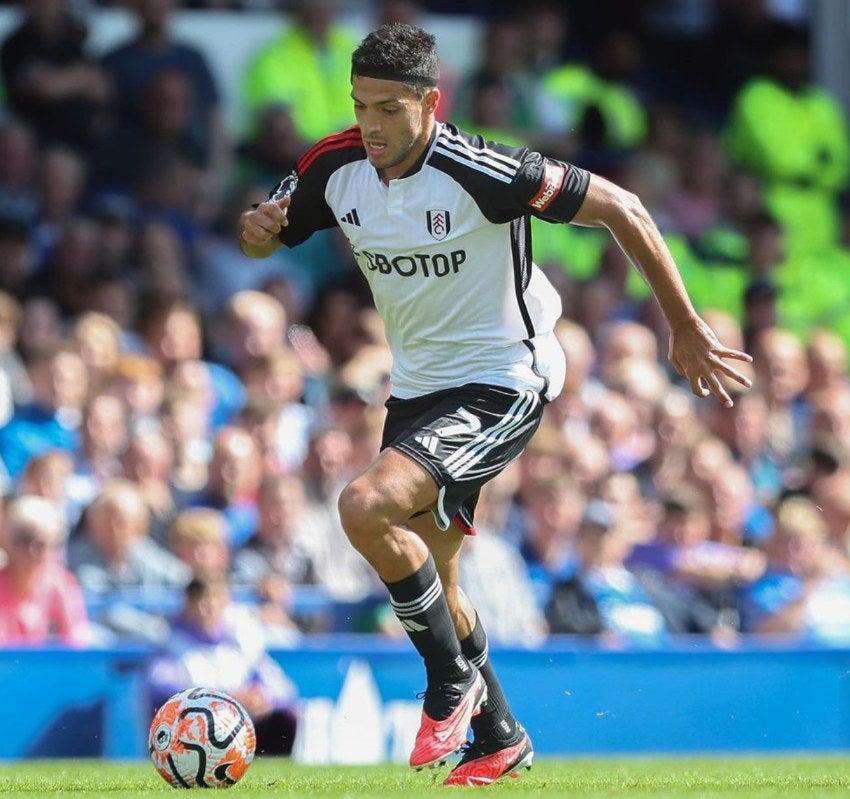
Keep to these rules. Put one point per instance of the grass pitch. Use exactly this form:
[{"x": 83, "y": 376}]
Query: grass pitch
[{"x": 660, "y": 778}]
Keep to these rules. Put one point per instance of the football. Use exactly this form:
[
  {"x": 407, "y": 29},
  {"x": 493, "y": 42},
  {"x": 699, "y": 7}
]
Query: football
[{"x": 201, "y": 738}]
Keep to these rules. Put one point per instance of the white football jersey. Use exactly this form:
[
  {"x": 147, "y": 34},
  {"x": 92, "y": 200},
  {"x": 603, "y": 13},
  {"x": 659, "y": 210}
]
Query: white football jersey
[{"x": 446, "y": 250}]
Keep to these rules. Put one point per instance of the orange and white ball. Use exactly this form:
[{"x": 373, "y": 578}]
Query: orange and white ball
[{"x": 202, "y": 738}]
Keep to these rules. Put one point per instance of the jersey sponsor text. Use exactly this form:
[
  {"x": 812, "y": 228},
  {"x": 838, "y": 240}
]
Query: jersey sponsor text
[{"x": 439, "y": 264}]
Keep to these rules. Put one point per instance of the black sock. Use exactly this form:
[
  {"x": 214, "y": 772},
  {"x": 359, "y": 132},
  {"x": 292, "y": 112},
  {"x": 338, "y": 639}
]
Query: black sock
[
  {"x": 495, "y": 719},
  {"x": 420, "y": 605}
]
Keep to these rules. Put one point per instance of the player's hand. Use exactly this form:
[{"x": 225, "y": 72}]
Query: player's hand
[
  {"x": 697, "y": 355},
  {"x": 263, "y": 223}
]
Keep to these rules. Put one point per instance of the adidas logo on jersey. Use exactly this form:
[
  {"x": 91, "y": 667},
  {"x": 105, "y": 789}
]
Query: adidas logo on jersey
[
  {"x": 429, "y": 442},
  {"x": 351, "y": 217}
]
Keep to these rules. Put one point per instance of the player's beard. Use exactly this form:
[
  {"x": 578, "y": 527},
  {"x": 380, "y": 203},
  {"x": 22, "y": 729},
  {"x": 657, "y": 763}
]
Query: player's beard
[{"x": 396, "y": 154}]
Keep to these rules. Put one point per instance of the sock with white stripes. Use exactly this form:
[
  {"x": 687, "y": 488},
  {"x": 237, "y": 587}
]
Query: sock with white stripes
[
  {"x": 495, "y": 719},
  {"x": 420, "y": 605}
]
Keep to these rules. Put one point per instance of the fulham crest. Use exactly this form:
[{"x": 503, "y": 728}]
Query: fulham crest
[{"x": 439, "y": 223}]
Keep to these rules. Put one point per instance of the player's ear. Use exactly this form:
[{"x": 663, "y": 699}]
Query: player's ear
[{"x": 430, "y": 100}]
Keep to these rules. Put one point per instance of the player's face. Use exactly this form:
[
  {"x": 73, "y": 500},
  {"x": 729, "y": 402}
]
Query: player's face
[{"x": 396, "y": 124}]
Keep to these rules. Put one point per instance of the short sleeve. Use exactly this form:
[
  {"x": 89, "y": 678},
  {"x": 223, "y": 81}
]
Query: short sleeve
[{"x": 509, "y": 182}]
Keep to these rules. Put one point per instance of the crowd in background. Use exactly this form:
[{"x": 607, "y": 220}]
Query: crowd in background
[{"x": 177, "y": 419}]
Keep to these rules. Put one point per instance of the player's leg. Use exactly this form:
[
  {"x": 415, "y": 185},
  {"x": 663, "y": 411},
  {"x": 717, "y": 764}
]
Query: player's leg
[
  {"x": 500, "y": 744},
  {"x": 454, "y": 442},
  {"x": 374, "y": 509}
]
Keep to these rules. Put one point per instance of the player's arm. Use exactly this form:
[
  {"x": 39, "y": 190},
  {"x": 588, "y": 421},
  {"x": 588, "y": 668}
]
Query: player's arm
[
  {"x": 259, "y": 228},
  {"x": 695, "y": 351}
]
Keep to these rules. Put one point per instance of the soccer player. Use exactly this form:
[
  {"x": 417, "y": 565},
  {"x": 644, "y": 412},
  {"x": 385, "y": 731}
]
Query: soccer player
[{"x": 439, "y": 224}]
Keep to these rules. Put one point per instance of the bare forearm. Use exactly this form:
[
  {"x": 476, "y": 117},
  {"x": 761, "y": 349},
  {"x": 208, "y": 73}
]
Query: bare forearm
[
  {"x": 608, "y": 205},
  {"x": 694, "y": 350},
  {"x": 641, "y": 241}
]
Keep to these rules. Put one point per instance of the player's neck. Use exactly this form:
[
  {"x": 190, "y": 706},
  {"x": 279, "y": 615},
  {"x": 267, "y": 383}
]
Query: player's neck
[{"x": 413, "y": 158}]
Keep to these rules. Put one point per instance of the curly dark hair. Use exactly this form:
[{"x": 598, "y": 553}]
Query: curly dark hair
[{"x": 398, "y": 52}]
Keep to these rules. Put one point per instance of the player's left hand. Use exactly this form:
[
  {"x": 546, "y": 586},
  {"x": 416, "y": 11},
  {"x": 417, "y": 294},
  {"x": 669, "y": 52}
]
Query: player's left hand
[{"x": 697, "y": 355}]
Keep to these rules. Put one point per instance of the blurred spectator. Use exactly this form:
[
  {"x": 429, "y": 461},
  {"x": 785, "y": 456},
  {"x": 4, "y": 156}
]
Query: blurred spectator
[
  {"x": 233, "y": 482},
  {"x": 725, "y": 240},
  {"x": 256, "y": 326},
  {"x": 41, "y": 328},
  {"x": 827, "y": 356},
  {"x": 19, "y": 161},
  {"x": 17, "y": 250},
  {"x": 277, "y": 555},
  {"x": 806, "y": 589},
  {"x": 275, "y": 546},
  {"x": 338, "y": 322},
  {"x": 103, "y": 436},
  {"x": 113, "y": 549},
  {"x": 40, "y": 600},
  {"x": 115, "y": 295},
  {"x": 737, "y": 517},
  {"x": 116, "y": 217},
  {"x": 139, "y": 383},
  {"x": 603, "y": 597},
  {"x": 164, "y": 123},
  {"x": 214, "y": 642},
  {"x": 494, "y": 575},
  {"x": 793, "y": 136},
  {"x": 831, "y": 493},
  {"x": 490, "y": 110},
  {"x": 149, "y": 71},
  {"x": 279, "y": 378},
  {"x": 598, "y": 98},
  {"x": 73, "y": 262},
  {"x": 622, "y": 339},
  {"x": 62, "y": 177},
  {"x": 162, "y": 254},
  {"x": 49, "y": 476},
  {"x": 173, "y": 334},
  {"x": 340, "y": 569},
  {"x": 271, "y": 147},
  {"x": 50, "y": 80},
  {"x": 198, "y": 537},
  {"x": 184, "y": 421},
  {"x": 502, "y": 66},
  {"x": 782, "y": 375},
  {"x": 630, "y": 444},
  {"x": 148, "y": 460},
  {"x": 692, "y": 579},
  {"x": 552, "y": 508},
  {"x": 307, "y": 67},
  {"x": 547, "y": 31},
  {"x": 571, "y": 409},
  {"x": 696, "y": 204},
  {"x": 99, "y": 340},
  {"x": 53, "y": 418}
]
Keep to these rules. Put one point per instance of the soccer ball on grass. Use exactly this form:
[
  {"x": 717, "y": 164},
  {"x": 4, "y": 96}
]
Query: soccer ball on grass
[{"x": 202, "y": 738}]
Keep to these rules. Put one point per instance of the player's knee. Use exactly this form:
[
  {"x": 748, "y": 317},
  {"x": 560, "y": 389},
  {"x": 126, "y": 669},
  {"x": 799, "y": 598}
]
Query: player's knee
[{"x": 359, "y": 512}]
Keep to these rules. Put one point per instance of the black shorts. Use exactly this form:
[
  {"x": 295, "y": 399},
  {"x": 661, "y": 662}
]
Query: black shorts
[{"x": 464, "y": 437}]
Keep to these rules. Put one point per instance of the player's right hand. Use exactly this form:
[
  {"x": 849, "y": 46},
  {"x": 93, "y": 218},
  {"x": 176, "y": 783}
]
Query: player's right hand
[{"x": 264, "y": 222}]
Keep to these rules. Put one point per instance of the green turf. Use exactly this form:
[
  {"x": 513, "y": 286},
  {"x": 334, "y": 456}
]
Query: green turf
[{"x": 661, "y": 778}]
